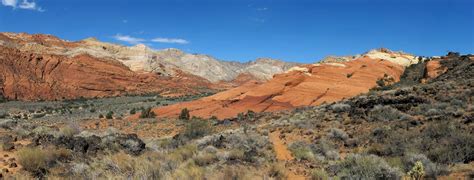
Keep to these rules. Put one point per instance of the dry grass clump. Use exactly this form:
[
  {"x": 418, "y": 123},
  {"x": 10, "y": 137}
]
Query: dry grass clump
[
  {"x": 277, "y": 171},
  {"x": 37, "y": 161},
  {"x": 70, "y": 130},
  {"x": 204, "y": 159}
]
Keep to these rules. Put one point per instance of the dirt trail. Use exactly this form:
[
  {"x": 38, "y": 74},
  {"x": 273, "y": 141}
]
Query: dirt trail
[{"x": 283, "y": 154}]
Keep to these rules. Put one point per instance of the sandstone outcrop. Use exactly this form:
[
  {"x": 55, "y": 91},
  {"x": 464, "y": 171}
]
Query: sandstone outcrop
[
  {"x": 308, "y": 85},
  {"x": 27, "y": 75}
]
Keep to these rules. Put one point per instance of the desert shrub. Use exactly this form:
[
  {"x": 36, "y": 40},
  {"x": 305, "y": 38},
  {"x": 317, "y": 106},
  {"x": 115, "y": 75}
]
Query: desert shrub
[
  {"x": 240, "y": 117},
  {"x": 250, "y": 114},
  {"x": 183, "y": 153},
  {"x": 147, "y": 113},
  {"x": 121, "y": 165},
  {"x": 277, "y": 171},
  {"x": 234, "y": 154},
  {"x": 337, "y": 134},
  {"x": 234, "y": 173},
  {"x": 3, "y": 115},
  {"x": 386, "y": 113},
  {"x": 189, "y": 171},
  {"x": 196, "y": 128},
  {"x": 301, "y": 151},
  {"x": 70, "y": 130},
  {"x": 133, "y": 111},
  {"x": 109, "y": 115},
  {"x": 349, "y": 75},
  {"x": 325, "y": 149},
  {"x": 356, "y": 166},
  {"x": 431, "y": 169},
  {"x": 319, "y": 174},
  {"x": 204, "y": 159},
  {"x": 447, "y": 143},
  {"x": 389, "y": 142},
  {"x": 184, "y": 115},
  {"x": 433, "y": 112},
  {"x": 35, "y": 160},
  {"x": 101, "y": 116},
  {"x": 340, "y": 107}
]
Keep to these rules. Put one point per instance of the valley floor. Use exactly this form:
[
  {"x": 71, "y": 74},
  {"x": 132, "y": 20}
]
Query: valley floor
[{"x": 406, "y": 130}]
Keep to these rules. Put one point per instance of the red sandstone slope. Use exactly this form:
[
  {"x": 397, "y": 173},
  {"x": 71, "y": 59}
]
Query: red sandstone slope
[
  {"x": 30, "y": 76},
  {"x": 311, "y": 85}
]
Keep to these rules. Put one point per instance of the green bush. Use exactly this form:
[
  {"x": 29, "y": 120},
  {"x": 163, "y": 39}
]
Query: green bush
[
  {"x": 133, "y": 111},
  {"x": 109, "y": 115}
]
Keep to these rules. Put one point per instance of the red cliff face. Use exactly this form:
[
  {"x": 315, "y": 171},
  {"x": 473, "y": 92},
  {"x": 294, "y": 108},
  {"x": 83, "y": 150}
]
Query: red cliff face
[
  {"x": 30, "y": 76},
  {"x": 306, "y": 86}
]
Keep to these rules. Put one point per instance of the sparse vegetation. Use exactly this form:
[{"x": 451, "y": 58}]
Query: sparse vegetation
[{"x": 410, "y": 129}]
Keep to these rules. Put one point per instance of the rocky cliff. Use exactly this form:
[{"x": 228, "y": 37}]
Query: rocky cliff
[
  {"x": 139, "y": 58},
  {"x": 26, "y": 75}
]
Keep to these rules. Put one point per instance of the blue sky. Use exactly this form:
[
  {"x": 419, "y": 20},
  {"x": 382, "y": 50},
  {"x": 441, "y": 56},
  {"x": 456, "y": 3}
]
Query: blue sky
[{"x": 242, "y": 30}]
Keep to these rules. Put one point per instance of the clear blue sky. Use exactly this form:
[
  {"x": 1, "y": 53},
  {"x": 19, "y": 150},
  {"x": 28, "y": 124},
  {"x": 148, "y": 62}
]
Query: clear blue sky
[{"x": 291, "y": 30}]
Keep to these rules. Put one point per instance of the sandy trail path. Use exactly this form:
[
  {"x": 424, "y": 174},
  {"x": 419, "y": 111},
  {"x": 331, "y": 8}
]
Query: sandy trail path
[{"x": 283, "y": 154}]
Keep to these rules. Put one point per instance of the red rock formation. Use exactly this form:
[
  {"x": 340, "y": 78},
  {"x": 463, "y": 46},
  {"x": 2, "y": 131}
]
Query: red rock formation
[
  {"x": 306, "y": 86},
  {"x": 30, "y": 76},
  {"x": 434, "y": 69}
]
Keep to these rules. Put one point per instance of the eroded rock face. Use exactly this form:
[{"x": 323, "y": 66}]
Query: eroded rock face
[
  {"x": 140, "y": 58},
  {"x": 305, "y": 86},
  {"x": 397, "y": 57},
  {"x": 26, "y": 75}
]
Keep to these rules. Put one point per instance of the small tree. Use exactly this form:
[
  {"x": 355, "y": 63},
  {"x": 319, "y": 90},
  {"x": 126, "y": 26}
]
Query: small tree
[
  {"x": 109, "y": 115},
  {"x": 251, "y": 114},
  {"x": 184, "y": 114},
  {"x": 133, "y": 111},
  {"x": 240, "y": 117},
  {"x": 147, "y": 113}
]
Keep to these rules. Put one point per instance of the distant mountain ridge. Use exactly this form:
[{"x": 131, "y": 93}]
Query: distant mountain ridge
[{"x": 140, "y": 58}]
